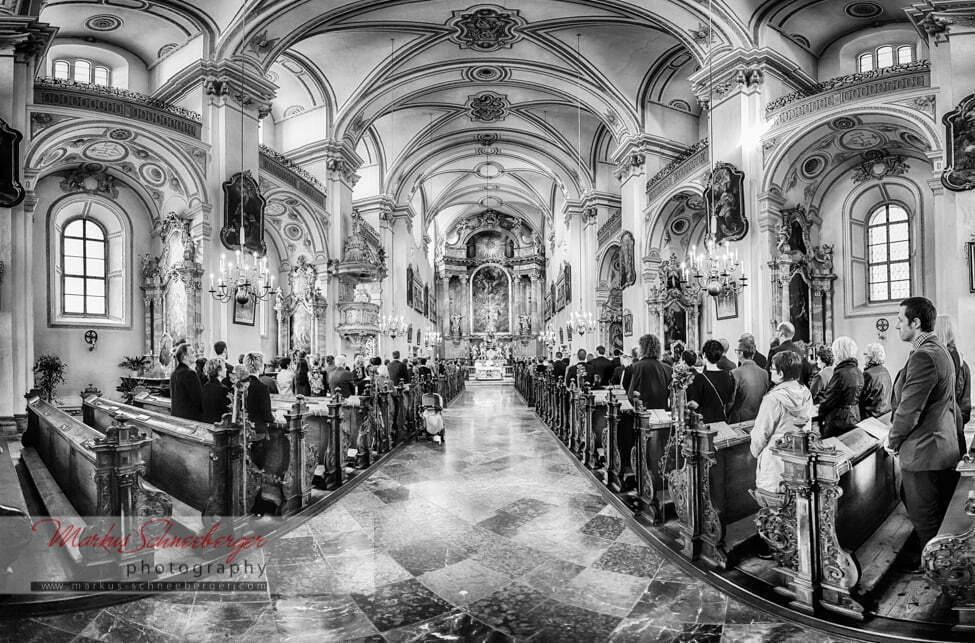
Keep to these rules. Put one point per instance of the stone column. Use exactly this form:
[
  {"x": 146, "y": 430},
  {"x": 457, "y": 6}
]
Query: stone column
[
  {"x": 341, "y": 162},
  {"x": 23, "y": 41},
  {"x": 631, "y": 173}
]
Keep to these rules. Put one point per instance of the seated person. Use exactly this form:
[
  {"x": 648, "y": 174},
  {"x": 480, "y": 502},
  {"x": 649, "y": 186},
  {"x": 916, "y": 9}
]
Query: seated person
[
  {"x": 877, "y": 384},
  {"x": 787, "y": 407},
  {"x": 216, "y": 398}
]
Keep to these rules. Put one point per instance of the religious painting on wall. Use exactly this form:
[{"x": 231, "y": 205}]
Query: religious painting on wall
[
  {"x": 409, "y": 285},
  {"x": 627, "y": 323},
  {"x": 560, "y": 294},
  {"x": 176, "y": 304},
  {"x": 11, "y": 191},
  {"x": 568, "y": 282},
  {"x": 726, "y": 305},
  {"x": 959, "y": 172},
  {"x": 548, "y": 307},
  {"x": 627, "y": 262},
  {"x": 426, "y": 300},
  {"x": 409, "y": 334},
  {"x": 301, "y": 322},
  {"x": 245, "y": 313},
  {"x": 490, "y": 300},
  {"x": 725, "y": 195},
  {"x": 243, "y": 203},
  {"x": 971, "y": 266},
  {"x": 418, "y": 295}
]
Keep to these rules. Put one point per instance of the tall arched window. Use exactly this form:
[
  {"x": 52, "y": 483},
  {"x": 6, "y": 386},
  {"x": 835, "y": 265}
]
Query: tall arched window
[
  {"x": 888, "y": 254},
  {"x": 84, "y": 257}
]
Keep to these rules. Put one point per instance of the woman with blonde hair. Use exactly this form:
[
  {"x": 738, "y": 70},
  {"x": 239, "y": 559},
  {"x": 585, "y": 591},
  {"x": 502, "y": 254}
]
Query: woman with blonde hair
[
  {"x": 877, "y": 384},
  {"x": 839, "y": 410},
  {"x": 944, "y": 328}
]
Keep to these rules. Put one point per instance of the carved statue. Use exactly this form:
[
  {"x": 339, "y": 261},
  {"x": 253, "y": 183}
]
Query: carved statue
[
  {"x": 150, "y": 269},
  {"x": 782, "y": 240},
  {"x": 823, "y": 259}
]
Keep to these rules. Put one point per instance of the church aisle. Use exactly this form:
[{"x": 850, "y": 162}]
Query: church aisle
[{"x": 496, "y": 536}]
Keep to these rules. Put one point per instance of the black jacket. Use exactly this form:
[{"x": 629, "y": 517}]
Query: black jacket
[
  {"x": 714, "y": 392},
  {"x": 216, "y": 401},
  {"x": 601, "y": 366},
  {"x": 397, "y": 372},
  {"x": 784, "y": 346},
  {"x": 876, "y": 392},
  {"x": 840, "y": 408},
  {"x": 760, "y": 360},
  {"x": 651, "y": 378},
  {"x": 257, "y": 404},
  {"x": 571, "y": 373},
  {"x": 343, "y": 380},
  {"x": 726, "y": 364},
  {"x": 558, "y": 368},
  {"x": 186, "y": 394}
]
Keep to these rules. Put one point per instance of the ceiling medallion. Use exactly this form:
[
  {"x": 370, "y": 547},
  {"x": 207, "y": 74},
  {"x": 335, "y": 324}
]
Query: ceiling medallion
[
  {"x": 486, "y": 140},
  {"x": 863, "y": 9},
  {"x": 485, "y": 27},
  {"x": 486, "y": 74},
  {"x": 103, "y": 22},
  {"x": 878, "y": 164},
  {"x": 487, "y": 107},
  {"x": 844, "y": 122}
]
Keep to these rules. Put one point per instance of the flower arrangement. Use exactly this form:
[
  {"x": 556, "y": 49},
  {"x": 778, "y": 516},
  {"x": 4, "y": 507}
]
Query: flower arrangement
[
  {"x": 50, "y": 374},
  {"x": 135, "y": 364}
]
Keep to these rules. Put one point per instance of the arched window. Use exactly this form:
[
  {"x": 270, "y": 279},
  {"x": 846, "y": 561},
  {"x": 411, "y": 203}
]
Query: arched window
[
  {"x": 888, "y": 254},
  {"x": 885, "y": 56},
  {"x": 82, "y": 71},
  {"x": 84, "y": 258}
]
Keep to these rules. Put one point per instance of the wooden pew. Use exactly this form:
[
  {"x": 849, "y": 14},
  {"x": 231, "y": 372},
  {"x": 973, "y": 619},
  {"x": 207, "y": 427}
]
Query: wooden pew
[
  {"x": 949, "y": 558},
  {"x": 152, "y": 401},
  {"x": 839, "y": 523},
  {"x": 92, "y": 480},
  {"x": 710, "y": 488},
  {"x": 15, "y": 520},
  {"x": 655, "y": 451}
]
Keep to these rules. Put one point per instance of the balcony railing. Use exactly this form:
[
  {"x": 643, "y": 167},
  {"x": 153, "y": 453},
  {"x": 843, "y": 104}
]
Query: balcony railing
[
  {"x": 278, "y": 165},
  {"x": 118, "y": 102},
  {"x": 613, "y": 225},
  {"x": 680, "y": 168},
  {"x": 849, "y": 88}
]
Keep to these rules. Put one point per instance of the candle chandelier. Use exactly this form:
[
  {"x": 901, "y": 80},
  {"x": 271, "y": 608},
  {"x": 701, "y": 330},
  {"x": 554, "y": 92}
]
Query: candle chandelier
[
  {"x": 393, "y": 326},
  {"x": 242, "y": 280},
  {"x": 581, "y": 323},
  {"x": 715, "y": 270},
  {"x": 547, "y": 336}
]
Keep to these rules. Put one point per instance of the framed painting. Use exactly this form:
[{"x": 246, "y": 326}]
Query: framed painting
[
  {"x": 246, "y": 313},
  {"x": 959, "y": 172},
  {"x": 971, "y": 266},
  {"x": 726, "y": 306},
  {"x": 627, "y": 324}
]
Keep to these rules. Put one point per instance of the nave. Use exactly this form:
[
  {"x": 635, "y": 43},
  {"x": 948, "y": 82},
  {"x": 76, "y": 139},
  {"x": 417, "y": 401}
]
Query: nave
[{"x": 496, "y": 535}]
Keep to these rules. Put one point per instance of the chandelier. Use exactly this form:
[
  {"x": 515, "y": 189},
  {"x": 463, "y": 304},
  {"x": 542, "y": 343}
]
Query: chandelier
[
  {"x": 392, "y": 326},
  {"x": 581, "y": 323},
  {"x": 433, "y": 336},
  {"x": 547, "y": 336},
  {"x": 247, "y": 278},
  {"x": 716, "y": 270}
]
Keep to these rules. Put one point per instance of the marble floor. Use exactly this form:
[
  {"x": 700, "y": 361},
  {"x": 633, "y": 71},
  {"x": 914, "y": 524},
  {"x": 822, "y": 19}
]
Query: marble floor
[{"x": 494, "y": 536}]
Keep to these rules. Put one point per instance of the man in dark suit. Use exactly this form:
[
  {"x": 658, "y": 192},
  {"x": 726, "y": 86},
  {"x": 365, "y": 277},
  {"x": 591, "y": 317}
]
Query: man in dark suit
[
  {"x": 185, "y": 389},
  {"x": 601, "y": 366},
  {"x": 572, "y": 373},
  {"x": 759, "y": 359},
  {"x": 922, "y": 433},
  {"x": 257, "y": 402},
  {"x": 649, "y": 376},
  {"x": 397, "y": 369},
  {"x": 342, "y": 378},
  {"x": 783, "y": 335},
  {"x": 558, "y": 367}
]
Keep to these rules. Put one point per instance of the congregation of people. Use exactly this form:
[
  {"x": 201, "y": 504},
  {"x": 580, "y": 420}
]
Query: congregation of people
[{"x": 830, "y": 389}]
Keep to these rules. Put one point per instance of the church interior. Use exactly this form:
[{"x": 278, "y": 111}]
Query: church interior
[{"x": 442, "y": 201}]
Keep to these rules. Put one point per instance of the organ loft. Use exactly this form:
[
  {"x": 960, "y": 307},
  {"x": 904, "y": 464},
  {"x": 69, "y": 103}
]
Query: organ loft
[{"x": 542, "y": 320}]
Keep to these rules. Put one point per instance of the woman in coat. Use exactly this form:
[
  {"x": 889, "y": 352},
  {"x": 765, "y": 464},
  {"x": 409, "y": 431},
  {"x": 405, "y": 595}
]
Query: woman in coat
[
  {"x": 944, "y": 328},
  {"x": 787, "y": 407},
  {"x": 302, "y": 383},
  {"x": 839, "y": 410},
  {"x": 216, "y": 397},
  {"x": 824, "y": 361},
  {"x": 877, "y": 384},
  {"x": 714, "y": 389}
]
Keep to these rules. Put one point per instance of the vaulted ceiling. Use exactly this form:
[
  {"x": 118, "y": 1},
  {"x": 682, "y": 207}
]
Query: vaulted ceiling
[{"x": 519, "y": 107}]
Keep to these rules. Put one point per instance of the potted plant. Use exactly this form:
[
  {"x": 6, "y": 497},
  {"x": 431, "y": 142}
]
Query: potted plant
[
  {"x": 134, "y": 364},
  {"x": 49, "y": 370}
]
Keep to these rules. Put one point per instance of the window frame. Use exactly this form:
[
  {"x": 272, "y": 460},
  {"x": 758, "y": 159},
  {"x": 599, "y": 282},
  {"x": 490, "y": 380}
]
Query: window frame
[
  {"x": 896, "y": 48},
  {"x": 93, "y": 66},
  {"x": 868, "y": 226},
  {"x": 84, "y": 276}
]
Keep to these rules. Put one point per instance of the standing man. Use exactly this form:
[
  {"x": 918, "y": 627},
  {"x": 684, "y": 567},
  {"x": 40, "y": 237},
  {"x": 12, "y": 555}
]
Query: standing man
[
  {"x": 558, "y": 367},
  {"x": 759, "y": 359},
  {"x": 571, "y": 373},
  {"x": 751, "y": 384},
  {"x": 922, "y": 432},
  {"x": 724, "y": 363},
  {"x": 783, "y": 335},
  {"x": 601, "y": 366},
  {"x": 397, "y": 369}
]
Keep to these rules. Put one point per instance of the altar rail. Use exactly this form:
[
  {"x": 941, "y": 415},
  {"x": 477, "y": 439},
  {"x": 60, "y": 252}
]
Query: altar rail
[
  {"x": 834, "y": 530},
  {"x": 117, "y": 102}
]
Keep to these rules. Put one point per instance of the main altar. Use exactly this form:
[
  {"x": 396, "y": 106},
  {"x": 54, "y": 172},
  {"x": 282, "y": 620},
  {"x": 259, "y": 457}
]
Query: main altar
[{"x": 488, "y": 369}]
